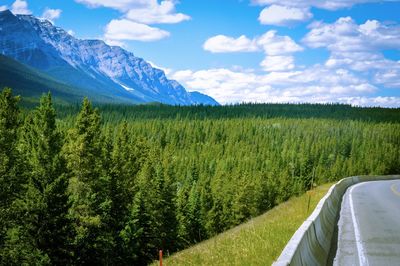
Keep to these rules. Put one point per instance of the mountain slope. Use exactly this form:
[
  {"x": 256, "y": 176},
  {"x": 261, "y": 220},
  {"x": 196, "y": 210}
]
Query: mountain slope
[
  {"x": 91, "y": 65},
  {"x": 29, "y": 82}
]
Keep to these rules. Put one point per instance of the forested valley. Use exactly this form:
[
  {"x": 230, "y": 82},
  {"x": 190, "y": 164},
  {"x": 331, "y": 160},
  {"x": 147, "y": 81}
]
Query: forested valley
[{"x": 113, "y": 185}]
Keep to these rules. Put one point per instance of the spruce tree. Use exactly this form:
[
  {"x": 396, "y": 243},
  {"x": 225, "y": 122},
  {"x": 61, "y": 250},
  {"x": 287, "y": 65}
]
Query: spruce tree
[
  {"x": 88, "y": 188},
  {"x": 9, "y": 156},
  {"x": 48, "y": 185},
  {"x": 11, "y": 177}
]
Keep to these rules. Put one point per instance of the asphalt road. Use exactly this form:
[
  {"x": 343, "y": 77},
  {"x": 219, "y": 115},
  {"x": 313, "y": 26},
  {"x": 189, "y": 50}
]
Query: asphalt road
[{"x": 369, "y": 225}]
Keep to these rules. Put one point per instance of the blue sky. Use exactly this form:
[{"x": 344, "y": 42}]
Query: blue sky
[{"x": 250, "y": 50}]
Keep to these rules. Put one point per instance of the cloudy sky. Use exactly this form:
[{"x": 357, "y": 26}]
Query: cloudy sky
[{"x": 250, "y": 50}]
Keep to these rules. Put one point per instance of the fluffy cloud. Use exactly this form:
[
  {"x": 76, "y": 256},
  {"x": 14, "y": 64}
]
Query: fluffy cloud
[
  {"x": 287, "y": 12},
  {"x": 372, "y": 101},
  {"x": 139, "y": 14},
  {"x": 277, "y": 63},
  {"x": 158, "y": 13},
  {"x": 344, "y": 35},
  {"x": 277, "y": 48},
  {"x": 315, "y": 84},
  {"x": 2, "y": 8},
  {"x": 226, "y": 44},
  {"x": 51, "y": 14},
  {"x": 121, "y": 5},
  {"x": 270, "y": 43},
  {"x": 274, "y": 44},
  {"x": 323, "y": 4},
  {"x": 359, "y": 47},
  {"x": 20, "y": 7},
  {"x": 142, "y": 11},
  {"x": 123, "y": 29},
  {"x": 283, "y": 15},
  {"x": 389, "y": 77}
]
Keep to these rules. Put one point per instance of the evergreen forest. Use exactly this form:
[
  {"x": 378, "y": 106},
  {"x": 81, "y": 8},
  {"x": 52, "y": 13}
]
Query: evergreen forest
[{"x": 113, "y": 184}]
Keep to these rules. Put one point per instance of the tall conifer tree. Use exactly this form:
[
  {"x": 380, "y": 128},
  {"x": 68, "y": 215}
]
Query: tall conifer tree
[{"x": 89, "y": 185}]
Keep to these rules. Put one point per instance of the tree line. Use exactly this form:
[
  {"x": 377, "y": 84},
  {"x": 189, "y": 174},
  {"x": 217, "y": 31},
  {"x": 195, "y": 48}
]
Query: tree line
[{"x": 82, "y": 189}]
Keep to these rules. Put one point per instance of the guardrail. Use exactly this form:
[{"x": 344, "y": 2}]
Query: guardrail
[{"x": 311, "y": 243}]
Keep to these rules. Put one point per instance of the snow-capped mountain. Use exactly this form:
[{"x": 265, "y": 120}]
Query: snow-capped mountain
[{"x": 89, "y": 64}]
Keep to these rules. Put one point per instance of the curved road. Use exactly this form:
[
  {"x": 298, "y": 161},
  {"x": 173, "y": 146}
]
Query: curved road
[{"x": 369, "y": 225}]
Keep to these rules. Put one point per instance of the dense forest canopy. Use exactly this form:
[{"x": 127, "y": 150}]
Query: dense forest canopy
[
  {"x": 83, "y": 186},
  {"x": 117, "y": 113}
]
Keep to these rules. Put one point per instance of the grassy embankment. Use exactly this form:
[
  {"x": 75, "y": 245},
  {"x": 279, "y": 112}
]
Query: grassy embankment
[{"x": 256, "y": 242}]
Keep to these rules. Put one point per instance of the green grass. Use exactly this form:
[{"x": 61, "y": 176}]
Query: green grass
[{"x": 256, "y": 242}]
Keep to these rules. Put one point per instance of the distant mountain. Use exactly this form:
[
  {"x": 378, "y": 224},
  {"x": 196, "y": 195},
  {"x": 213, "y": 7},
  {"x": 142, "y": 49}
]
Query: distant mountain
[{"x": 97, "y": 69}]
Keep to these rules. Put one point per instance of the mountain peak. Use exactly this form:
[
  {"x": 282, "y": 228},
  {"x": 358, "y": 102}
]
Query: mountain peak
[
  {"x": 6, "y": 15},
  {"x": 91, "y": 64},
  {"x": 6, "y": 12}
]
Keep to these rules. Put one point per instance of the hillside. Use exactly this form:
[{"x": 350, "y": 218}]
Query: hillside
[
  {"x": 258, "y": 241},
  {"x": 32, "y": 83}
]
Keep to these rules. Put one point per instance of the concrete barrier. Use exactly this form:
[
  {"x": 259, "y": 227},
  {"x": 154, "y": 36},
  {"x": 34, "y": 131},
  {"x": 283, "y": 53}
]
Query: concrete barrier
[{"x": 311, "y": 243}]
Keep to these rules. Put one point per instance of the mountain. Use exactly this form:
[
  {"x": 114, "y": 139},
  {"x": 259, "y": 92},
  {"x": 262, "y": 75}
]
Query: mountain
[
  {"x": 93, "y": 66},
  {"x": 32, "y": 83}
]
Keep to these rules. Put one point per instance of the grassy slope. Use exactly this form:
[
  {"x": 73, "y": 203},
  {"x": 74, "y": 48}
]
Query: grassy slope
[{"x": 257, "y": 242}]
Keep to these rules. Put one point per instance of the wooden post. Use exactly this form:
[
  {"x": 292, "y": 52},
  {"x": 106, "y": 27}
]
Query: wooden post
[
  {"x": 312, "y": 187},
  {"x": 161, "y": 257}
]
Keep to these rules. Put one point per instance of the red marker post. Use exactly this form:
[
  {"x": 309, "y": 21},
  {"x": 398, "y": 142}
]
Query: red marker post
[{"x": 161, "y": 257}]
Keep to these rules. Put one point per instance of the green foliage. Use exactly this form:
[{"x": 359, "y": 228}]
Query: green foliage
[
  {"x": 116, "y": 113},
  {"x": 11, "y": 176},
  {"x": 116, "y": 188},
  {"x": 89, "y": 185},
  {"x": 9, "y": 123}
]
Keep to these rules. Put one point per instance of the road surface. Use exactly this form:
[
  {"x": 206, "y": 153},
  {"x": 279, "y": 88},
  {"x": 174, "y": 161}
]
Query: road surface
[{"x": 369, "y": 225}]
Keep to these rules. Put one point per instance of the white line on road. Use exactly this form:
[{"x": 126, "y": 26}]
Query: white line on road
[{"x": 360, "y": 249}]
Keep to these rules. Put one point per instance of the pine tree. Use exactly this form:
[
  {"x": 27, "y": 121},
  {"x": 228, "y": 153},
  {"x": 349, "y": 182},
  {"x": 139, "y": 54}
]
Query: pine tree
[
  {"x": 124, "y": 168},
  {"x": 143, "y": 225},
  {"x": 9, "y": 125},
  {"x": 11, "y": 169},
  {"x": 42, "y": 230},
  {"x": 89, "y": 186},
  {"x": 48, "y": 185}
]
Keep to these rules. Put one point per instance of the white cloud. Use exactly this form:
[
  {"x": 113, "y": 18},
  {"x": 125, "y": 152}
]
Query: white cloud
[
  {"x": 163, "y": 13},
  {"x": 277, "y": 48},
  {"x": 2, "y": 8},
  {"x": 315, "y": 84},
  {"x": 389, "y": 77},
  {"x": 274, "y": 44},
  {"x": 121, "y": 5},
  {"x": 20, "y": 7},
  {"x": 359, "y": 47},
  {"x": 283, "y": 15},
  {"x": 51, "y": 14},
  {"x": 137, "y": 16},
  {"x": 344, "y": 35},
  {"x": 270, "y": 43},
  {"x": 123, "y": 29},
  {"x": 115, "y": 43},
  {"x": 226, "y": 44},
  {"x": 322, "y": 4},
  {"x": 277, "y": 63},
  {"x": 372, "y": 101}
]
